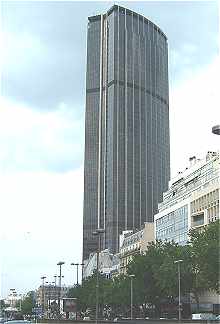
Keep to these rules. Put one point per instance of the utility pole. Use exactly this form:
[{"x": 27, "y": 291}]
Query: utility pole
[
  {"x": 43, "y": 278},
  {"x": 77, "y": 271},
  {"x": 59, "y": 294},
  {"x": 98, "y": 232},
  {"x": 179, "y": 308},
  {"x": 131, "y": 277}
]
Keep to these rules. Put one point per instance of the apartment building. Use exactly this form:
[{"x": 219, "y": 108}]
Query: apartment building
[
  {"x": 134, "y": 243},
  {"x": 191, "y": 201}
]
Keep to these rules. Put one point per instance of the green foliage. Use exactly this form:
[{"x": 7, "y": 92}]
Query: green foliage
[
  {"x": 27, "y": 303},
  {"x": 204, "y": 246},
  {"x": 120, "y": 293},
  {"x": 86, "y": 293},
  {"x": 2, "y": 304},
  {"x": 166, "y": 275},
  {"x": 156, "y": 274}
]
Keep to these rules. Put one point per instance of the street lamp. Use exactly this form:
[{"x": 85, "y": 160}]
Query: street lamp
[
  {"x": 43, "y": 278},
  {"x": 60, "y": 285},
  {"x": 132, "y": 277},
  {"x": 60, "y": 276},
  {"x": 50, "y": 285},
  {"x": 179, "y": 308},
  {"x": 20, "y": 301},
  {"x": 77, "y": 271},
  {"x": 82, "y": 264},
  {"x": 216, "y": 129},
  {"x": 55, "y": 287},
  {"x": 98, "y": 232},
  {"x": 47, "y": 292}
]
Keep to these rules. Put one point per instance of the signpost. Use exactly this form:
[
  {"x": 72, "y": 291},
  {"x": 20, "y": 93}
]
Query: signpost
[
  {"x": 37, "y": 311},
  {"x": 70, "y": 307}
]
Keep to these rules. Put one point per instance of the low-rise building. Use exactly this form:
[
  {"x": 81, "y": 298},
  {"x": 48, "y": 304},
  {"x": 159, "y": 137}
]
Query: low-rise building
[
  {"x": 108, "y": 264},
  {"x": 133, "y": 243},
  {"x": 49, "y": 293},
  {"x": 13, "y": 299}
]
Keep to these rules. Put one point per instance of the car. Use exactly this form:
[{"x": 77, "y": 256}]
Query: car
[
  {"x": 86, "y": 318},
  {"x": 203, "y": 316},
  {"x": 18, "y": 322}
]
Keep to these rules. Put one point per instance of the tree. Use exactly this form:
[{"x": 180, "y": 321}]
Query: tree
[
  {"x": 204, "y": 248},
  {"x": 86, "y": 293},
  {"x": 2, "y": 305},
  {"x": 144, "y": 267},
  {"x": 27, "y": 303},
  {"x": 156, "y": 273},
  {"x": 167, "y": 274},
  {"x": 120, "y": 294}
]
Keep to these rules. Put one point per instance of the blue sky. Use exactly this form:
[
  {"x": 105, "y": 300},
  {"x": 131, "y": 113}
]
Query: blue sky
[{"x": 42, "y": 105}]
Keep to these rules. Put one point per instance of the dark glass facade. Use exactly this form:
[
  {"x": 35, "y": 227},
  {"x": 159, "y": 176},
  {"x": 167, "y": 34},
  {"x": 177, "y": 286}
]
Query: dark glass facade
[{"x": 127, "y": 146}]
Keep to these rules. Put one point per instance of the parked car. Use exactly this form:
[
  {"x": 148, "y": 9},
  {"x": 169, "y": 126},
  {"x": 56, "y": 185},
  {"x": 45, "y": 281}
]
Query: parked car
[
  {"x": 18, "y": 322},
  {"x": 86, "y": 318},
  {"x": 203, "y": 316}
]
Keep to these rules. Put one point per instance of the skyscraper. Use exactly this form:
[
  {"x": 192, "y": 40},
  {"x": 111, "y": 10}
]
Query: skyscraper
[{"x": 127, "y": 150}]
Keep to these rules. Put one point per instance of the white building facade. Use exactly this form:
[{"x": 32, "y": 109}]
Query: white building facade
[
  {"x": 192, "y": 200},
  {"x": 134, "y": 243}
]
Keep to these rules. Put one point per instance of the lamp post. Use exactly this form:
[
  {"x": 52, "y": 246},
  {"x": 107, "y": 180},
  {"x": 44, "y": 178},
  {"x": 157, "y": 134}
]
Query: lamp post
[
  {"x": 98, "y": 232},
  {"x": 60, "y": 276},
  {"x": 55, "y": 280},
  {"x": 50, "y": 285},
  {"x": 216, "y": 129},
  {"x": 47, "y": 292},
  {"x": 43, "y": 278},
  {"x": 77, "y": 271},
  {"x": 55, "y": 288},
  {"x": 179, "y": 308},
  {"x": 20, "y": 301},
  {"x": 131, "y": 277},
  {"x": 82, "y": 265}
]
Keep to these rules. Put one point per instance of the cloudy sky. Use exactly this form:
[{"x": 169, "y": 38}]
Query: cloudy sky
[{"x": 42, "y": 106}]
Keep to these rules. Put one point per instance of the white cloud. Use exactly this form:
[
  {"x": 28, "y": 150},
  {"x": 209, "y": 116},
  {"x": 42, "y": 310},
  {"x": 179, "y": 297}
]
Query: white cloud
[
  {"x": 41, "y": 224},
  {"x": 184, "y": 63},
  {"x": 194, "y": 109},
  {"x": 21, "y": 51},
  {"x": 40, "y": 200},
  {"x": 32, "y": 140},
  {"x": 183, "y": 56}
]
